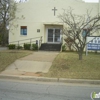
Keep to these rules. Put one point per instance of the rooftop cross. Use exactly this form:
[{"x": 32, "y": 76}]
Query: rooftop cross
[{"x": 54, "y": 10}]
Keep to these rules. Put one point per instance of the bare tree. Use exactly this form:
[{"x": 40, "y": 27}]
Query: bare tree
[
  {"x": 7, "y": 13},
  {"x": 78, "y": 27}
]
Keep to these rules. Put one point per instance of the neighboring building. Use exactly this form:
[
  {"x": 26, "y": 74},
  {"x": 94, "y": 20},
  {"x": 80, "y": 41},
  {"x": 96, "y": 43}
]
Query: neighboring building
[{"x": 40, "y": 18}]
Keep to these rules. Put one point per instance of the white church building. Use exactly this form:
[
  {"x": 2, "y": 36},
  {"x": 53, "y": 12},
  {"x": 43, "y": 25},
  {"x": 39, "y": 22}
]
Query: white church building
[{"x": 39, "y": 18}]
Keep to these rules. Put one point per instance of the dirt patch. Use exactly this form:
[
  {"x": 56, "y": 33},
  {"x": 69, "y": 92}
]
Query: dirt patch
[{"x": 31, "y": 74}]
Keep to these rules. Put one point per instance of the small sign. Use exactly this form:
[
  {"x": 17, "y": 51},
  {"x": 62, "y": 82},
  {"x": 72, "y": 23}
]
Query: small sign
[
  {"x": 38, "y": 30},
  {"x": 93, "y": 43}
]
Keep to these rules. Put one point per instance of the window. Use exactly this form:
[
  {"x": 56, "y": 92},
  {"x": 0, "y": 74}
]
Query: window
[
  {"x": 23, "y": 30},
  {"x": 85, "y": 33}
]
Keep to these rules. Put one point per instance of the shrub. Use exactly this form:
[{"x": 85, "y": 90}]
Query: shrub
[
  {"x": 11, "y": 46},
  {"x": 27, "y": 46},
  {"x": 34, "y": 47},
  {"x": 19, "y": 47},
  {"x": 63, "y": 48}
]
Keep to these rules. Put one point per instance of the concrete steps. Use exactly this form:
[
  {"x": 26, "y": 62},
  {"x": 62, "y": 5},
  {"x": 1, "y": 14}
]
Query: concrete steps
[{"x": 50, "y": 47}]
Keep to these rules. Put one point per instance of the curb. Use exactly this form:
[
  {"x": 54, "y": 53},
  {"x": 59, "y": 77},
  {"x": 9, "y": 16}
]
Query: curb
[{"x": 46, "y": 79}]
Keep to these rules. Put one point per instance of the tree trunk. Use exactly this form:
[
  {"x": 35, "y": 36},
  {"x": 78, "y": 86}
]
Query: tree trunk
[
  {"x": 80, "y": 53},
  {"x": 4, "y": 33},
  {"x": 69, "y": 48}
]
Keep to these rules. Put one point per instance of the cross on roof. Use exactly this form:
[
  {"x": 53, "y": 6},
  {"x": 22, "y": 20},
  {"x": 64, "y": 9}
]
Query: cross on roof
[{"x": 54, "y": 10}]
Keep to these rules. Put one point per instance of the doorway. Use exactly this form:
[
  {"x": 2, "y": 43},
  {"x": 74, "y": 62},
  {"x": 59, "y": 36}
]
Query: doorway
[{"x": 54, "y": 35}]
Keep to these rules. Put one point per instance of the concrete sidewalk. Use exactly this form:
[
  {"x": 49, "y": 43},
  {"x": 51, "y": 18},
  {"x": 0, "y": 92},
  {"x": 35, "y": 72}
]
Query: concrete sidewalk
[
  {"x": 29, "y": 67},
  {"x": 3, "y": 48},
  {"x": 38, "y": 62}
]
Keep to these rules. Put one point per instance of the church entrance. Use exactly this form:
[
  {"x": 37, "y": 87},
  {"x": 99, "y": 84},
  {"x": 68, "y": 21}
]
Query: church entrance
[{"x": 54, "y": 35}]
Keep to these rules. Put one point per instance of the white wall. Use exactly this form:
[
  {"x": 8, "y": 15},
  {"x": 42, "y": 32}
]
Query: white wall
[{"x": 39, "y": 12}]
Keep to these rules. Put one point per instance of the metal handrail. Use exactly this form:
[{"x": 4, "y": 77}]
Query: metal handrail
[
  {"x": 38, "y": 42},
  {"x": 61, "y": 43},
  {"x": 25, "y": 39}
]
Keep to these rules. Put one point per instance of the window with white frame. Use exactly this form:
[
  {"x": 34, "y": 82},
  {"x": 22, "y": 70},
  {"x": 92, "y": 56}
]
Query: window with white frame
[{"x": 23, "y": 30}]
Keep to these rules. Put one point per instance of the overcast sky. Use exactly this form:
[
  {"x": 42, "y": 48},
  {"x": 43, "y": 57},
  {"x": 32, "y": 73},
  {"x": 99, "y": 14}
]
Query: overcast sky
[
  {"x": 91, "y": 0},
  {"x": 83, "y": 0}
]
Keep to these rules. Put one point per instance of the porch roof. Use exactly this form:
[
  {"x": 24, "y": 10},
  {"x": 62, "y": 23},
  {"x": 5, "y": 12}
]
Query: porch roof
[{"x": 53, "y": 24}]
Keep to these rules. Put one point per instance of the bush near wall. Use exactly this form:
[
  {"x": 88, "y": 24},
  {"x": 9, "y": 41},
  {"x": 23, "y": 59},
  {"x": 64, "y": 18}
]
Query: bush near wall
[
  {"x": 11, "y": 46},
  {"x": 19, "y": 47},
  {"x": 34, "y": 47},
  {"x": 27, "y": 46},
  {"x": 64, "y": 48}
]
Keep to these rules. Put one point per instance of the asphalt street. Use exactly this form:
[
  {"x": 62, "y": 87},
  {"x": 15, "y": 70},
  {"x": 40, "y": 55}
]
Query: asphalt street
[{"x": 25, "y": 90}]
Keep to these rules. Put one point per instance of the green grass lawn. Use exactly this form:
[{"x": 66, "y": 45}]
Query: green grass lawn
[
  {"x": 67, "y": 65},
  {"x": 9, "y": 56}
]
